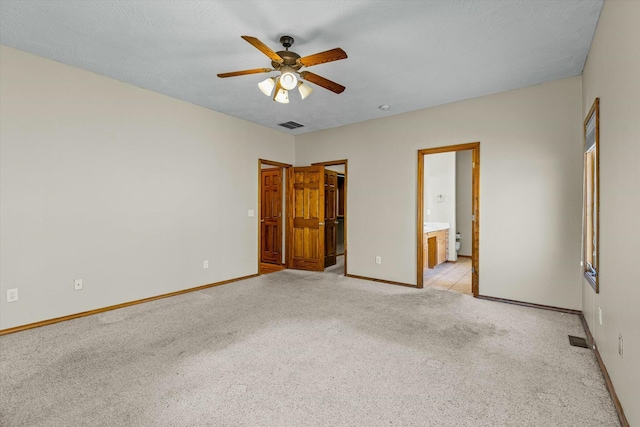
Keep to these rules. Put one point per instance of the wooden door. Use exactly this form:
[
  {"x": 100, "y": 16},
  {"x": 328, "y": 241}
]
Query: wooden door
[
  {"x": 330, "y": 217},
  {"x": 271, "y": 215},
  {"x": 306, "y": 218}
]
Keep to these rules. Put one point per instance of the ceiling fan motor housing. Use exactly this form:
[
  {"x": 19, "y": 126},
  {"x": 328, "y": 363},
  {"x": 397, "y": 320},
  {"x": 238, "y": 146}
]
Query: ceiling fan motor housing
[{"x": 289, "y": 58}]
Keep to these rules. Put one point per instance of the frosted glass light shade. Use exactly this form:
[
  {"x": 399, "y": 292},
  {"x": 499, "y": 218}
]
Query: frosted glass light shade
[
  {"x": 288, "y": 80},
  {"x": 266, "y": 86},
  {"x": 282, "y": 96},
  {"x": 304, "y": 89}
]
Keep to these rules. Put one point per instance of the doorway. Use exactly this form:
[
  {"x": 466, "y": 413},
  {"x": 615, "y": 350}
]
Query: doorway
[
  {"x": 331, "y": 246},
  {"x": 271, "y": 215},
  {"x": 435, "y": 243},
  {"x": 313, "y": 217}
]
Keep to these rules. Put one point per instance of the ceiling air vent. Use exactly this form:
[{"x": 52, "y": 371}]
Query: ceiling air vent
[{"x": 291, "y": 125}]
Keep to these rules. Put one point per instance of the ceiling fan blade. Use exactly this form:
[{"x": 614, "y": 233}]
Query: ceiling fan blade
[
  {"x": 276, "y": 89},
  {"x": 322, "y": 57},
  {"x": 264, "y": 49},
  {"x": 245, "y": 72},
  {"x": 321, "y": 81}
]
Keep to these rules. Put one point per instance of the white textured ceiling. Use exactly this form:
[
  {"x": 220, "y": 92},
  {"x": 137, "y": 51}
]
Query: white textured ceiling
[{"x": 408, "y": 54}]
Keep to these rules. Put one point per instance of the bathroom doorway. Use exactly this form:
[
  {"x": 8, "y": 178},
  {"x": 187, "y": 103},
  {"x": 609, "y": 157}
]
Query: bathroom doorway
[{"x": 448, "y": 218}]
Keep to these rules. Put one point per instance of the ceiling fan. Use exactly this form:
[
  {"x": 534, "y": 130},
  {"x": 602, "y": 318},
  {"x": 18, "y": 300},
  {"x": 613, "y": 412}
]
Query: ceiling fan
[{"x": 289, "y": 63}]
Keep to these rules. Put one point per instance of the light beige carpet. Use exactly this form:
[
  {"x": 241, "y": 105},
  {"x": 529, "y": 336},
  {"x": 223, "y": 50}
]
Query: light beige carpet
[{"x": 305, "y": 349}]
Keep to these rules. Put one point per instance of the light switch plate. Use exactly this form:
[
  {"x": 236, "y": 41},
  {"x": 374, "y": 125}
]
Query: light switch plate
[
  {"x": 251, "y": 212},
  {"x": 77, "y": 285}
]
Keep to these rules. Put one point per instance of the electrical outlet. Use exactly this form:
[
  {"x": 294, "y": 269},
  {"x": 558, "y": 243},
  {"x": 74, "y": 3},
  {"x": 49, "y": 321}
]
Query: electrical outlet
[
  {"x": 77, "y": 285},
  {"x": 205, "y": 264},
  {"x": 378, "y": 260},
  {"x": 600, "y": 315},
  {"x": 12, "y": 295},
  {"x": 620, "y": 346}
]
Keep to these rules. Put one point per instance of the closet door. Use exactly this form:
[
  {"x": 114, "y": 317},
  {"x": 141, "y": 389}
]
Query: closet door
[
  {"x": 271, "y": 215},
  {"x": 306, "y": 218}
]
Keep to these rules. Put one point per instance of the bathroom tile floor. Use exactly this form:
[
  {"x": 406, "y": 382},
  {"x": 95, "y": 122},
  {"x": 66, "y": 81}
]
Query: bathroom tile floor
[{"x": 450, "y": 276}]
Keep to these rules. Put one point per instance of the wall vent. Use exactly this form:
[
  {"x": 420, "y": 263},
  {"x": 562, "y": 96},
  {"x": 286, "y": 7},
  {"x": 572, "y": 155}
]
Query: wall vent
[{"x": 291, "y": 125}]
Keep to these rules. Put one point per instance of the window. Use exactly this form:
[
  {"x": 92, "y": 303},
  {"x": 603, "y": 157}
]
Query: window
[{"x": 591, "y": 196}]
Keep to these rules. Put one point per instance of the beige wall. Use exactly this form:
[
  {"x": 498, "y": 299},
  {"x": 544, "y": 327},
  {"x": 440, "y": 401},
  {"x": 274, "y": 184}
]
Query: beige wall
[
  {"x": 464, "y": 196},
  {"x": 125, "y": 188},
  {"x": 612, "y": 73},
  {"x": 530, "y": 187}
]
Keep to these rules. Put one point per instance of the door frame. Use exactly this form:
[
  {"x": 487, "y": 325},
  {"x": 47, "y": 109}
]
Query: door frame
[
  {"x": 475, "y": 208},
  {"x": 285, "y": 235},
  {"x": 344, "y": 162}
]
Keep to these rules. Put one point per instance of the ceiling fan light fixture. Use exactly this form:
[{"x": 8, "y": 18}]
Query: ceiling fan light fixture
[
  {"x": 304, "y": 89},
  {"x": 288, "y": 79},
  {"x": 282, "y": 96},
  {"x": 266, "y": 86}
]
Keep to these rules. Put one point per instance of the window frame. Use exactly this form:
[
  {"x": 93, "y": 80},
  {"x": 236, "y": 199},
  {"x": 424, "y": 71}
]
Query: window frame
[{"x": 591, "y": 198}]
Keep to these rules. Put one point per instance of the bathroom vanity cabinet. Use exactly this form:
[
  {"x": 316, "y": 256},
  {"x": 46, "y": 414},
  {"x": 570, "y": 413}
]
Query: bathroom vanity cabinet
[{"x": 435, "y": 247}]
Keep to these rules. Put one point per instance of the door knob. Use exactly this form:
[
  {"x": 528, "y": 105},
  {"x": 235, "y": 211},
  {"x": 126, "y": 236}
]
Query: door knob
[
  {"x": 337, "y": 222},
  {"x": 321, "y": 223},
  {"x": 262, "y": 220}
]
